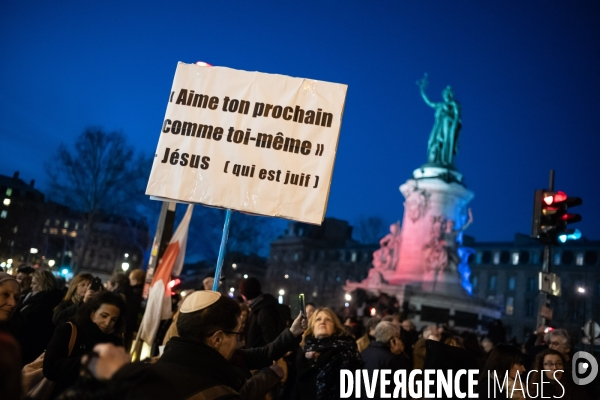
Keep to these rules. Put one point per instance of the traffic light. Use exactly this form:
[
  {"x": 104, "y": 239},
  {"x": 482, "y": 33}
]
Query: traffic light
[{"x": 550, "y": 216}]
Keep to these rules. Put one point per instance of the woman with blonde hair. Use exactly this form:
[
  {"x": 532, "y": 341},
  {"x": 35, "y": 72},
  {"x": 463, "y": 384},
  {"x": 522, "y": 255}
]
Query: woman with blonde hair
[
  {"x": 36, "y": 315},
  {"x": 67, "y": 308},
  {"x": 325, "y": 351}
]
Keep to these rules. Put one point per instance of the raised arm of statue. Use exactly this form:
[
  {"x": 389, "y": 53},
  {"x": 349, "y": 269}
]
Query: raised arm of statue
[
  {"x": 469, "y": 221},
  {"x": 423, "y": 85}
]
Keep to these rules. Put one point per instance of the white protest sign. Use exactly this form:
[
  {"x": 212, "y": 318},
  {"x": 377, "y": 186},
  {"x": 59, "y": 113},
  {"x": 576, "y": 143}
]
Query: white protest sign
[{"x": 249, "y": 141}]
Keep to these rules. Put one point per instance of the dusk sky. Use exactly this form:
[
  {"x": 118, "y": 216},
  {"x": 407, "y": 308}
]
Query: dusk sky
[{"x": 527, "y": 75}]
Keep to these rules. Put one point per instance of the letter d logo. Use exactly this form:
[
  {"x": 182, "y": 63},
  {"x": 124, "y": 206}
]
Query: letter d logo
[{"x": 581, "y": 368}]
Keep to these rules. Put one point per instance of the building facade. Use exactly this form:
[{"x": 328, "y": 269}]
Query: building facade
[
  {"x": 317, "y": 261},
  {"x": 507, "y": 273}
]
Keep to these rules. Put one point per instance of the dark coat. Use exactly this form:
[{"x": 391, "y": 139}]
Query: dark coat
[
  {"x": 37, "y": 327},
  {"x": 379, "y": 356},
  {"x": 64, "y": 369},
  {"x": 192, "y": 367},
  {"x": 64, "y": 311},
  {"x": 307, "y": 370},
  {"x": 263, "y": 324}
]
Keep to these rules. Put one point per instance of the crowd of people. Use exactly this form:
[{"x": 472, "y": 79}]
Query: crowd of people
[{"x": 250, "y": 348}]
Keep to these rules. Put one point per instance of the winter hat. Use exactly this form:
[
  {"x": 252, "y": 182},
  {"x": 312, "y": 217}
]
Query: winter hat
[
  {"x": 250, "y": 288},
  {"x": 4, "y": 277}
]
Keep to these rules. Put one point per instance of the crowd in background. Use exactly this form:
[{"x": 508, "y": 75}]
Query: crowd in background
[{"x": 250, "y": 348}]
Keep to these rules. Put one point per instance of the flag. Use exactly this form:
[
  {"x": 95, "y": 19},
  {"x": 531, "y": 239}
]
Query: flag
[{"x": 158, "y": 306}]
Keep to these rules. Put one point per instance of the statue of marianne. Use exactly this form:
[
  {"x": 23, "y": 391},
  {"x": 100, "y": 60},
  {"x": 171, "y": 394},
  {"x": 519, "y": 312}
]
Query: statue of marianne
[{"x": 443, "y": 141}]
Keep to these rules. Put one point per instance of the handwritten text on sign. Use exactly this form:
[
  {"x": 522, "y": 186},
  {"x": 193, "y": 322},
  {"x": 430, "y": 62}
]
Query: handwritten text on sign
[{"x": 249, "y": 141}]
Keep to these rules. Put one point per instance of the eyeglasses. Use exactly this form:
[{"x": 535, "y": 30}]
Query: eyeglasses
[
  {"x": 240, "y": 336},
  {"x": 557, "y": 364}
]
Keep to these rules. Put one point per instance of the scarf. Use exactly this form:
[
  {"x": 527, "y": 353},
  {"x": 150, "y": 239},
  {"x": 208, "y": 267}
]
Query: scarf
[{"x": 341, "y": 353}]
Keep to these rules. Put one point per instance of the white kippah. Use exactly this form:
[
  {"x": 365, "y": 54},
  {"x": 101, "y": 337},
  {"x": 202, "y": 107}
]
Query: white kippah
[{"x": 199, "y": 300}]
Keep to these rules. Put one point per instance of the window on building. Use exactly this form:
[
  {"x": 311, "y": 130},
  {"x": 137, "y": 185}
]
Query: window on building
[
  {"x": 579, "y": 259},
  {"x": 8, "y": 191},
  {"x": 487, "y": 257},
  {"x": 296, "y": 256},
  {"x": 53, "y": 231},
  {"x": 3, "y": 214},
  {"x": 524, "y": 257},
  {"x": 474, "y": 281},
  {"x": 515, "y": 258},
  {"x": 536, "y": 257},
  {"x": 15, "y": 229},
  {"x": 492, "y": 283},
  {"x": 57, "y": 222},
  {"x": 532, "y": 285},
  {"x": 529, "y": 307},
  {"x": 342, "y": 256},
  {"x": 6, "y": 202},
  {"x": 479, "y": 257},
  {"x": 557, "y": 258},
  {"x": 47, "y": 223},
  {"x": 76, "y": 225},
  {"x": 512, "y": 283},
  {"x": 496, "y": 258},
  {"x": 66, "y": 224},
  {"x": 567, "y": 257},
  {"x": 591, "y": 258},
  {"x": 504, "y": 257},
  {"x": 510, "y": 305},
  {"x": 354, "y": 256}
]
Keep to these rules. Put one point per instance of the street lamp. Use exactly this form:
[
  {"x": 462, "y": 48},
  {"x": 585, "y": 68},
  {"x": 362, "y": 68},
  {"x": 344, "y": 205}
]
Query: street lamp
[
  {"x": 234, "y": 266},
  {"x": 580, "y": 290},
  {"x": 51, "y": 263},
  {"x": 33, "y": 250},
  {"x": 348, "y": 297},
  {"x": 125, "y": 266},
  {"x": 245, "y": 276},
  {"x": 281, "y": 293}
]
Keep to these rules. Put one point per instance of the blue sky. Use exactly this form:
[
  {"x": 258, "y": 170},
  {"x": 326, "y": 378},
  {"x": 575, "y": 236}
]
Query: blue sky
[{"x": 525, "y": 72}]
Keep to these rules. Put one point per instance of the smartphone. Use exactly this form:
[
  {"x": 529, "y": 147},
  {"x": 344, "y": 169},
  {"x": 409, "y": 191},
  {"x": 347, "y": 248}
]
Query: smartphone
[
  {"x": 96, "y": 284},
  {"x": 302, "y": 304}
]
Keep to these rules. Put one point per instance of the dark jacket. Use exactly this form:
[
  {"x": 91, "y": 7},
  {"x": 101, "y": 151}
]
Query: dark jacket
[
  {"x": 307, "y": 370},
  {"x": 378, "y": 356},
  {"x": 64, "y": 311},
  {"x": 263, "y": 324},
  {"x": 192, "y": 367},
  {"x": 64, "y": 369},
  {"x": 37, "y": 328},
  {"x": 263, "y": 357}
]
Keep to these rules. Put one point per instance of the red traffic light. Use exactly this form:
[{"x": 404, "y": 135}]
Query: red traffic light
[{"x": 551, "y": 198}]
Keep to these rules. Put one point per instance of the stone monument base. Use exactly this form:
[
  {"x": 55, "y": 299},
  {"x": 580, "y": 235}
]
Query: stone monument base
[{"x": 426, "y": 303}]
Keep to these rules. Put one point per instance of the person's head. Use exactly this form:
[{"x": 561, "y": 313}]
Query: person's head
[
  {"x": 78, "y": 286},
  {"x": 448, "y": 94},
  {"x": 504, "y": 357},
  {"x": 250, "y": 288},
  {"x": 9, "y": 296},
  {"x": 137, "y": 277},
  {"x": 42, "y": 281},
  {"x": 373, "y": 322},
  {"x": 116, "y": 281},
  {"x": 24, "y": 277},
  {"x": 244, "y": 312},
  {"x": 210, "y": 318},
  {"x": 105, "y": 309},
  {"x": 208, "y": 282},
  {"x": 386, "y": 331},
  {"x": 559, "y": 340},
  {"x": 487, "y": 345},
  {"x": 310, "y": 309},
  {"x": 431, "y": 332},
  {"x": 552, "y": 362},
  {"x": 454, "y": 341},
  {"x": 407, "y": 325},
  {"x": 324, "y": 323}
]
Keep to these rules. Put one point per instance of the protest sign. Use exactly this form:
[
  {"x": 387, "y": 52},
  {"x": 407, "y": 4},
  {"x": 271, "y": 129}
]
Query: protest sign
[{"x": 248, "y": 141}]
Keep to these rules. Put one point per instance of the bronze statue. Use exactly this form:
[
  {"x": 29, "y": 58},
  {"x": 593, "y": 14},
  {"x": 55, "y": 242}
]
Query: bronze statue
[{"x": 443, "y": 141}]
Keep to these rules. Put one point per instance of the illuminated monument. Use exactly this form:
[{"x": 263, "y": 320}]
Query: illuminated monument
[{"x": 423, "y": 263}]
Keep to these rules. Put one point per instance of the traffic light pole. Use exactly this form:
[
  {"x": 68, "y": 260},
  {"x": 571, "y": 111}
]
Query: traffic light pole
[{"x": 544, "y": 299}]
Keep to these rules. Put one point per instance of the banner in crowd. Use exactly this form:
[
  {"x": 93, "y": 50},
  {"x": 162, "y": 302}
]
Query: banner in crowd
[
  {"x": 159, "y": 304},
  {"x": 249, "y": 141}
]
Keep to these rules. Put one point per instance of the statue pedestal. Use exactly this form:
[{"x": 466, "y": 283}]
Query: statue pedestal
[
  {"x": 430, "y": 202},
  {"x": 426, "y": 279}
]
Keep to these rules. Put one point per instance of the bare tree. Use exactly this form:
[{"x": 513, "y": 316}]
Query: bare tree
[
  {"x": 101, "y": 174},
  {"x": 369, "y": 230}
]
